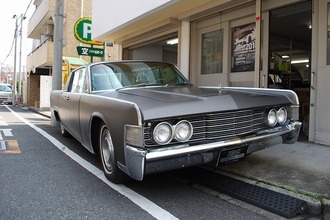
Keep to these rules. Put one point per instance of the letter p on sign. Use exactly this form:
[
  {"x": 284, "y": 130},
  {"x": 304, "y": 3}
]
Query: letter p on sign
[
  {"x": 87, "y": 33},
  {"x": 83, "y": 31}
]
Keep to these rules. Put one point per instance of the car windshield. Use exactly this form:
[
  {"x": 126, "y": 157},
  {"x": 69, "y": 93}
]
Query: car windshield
[{"x": 118, "y": 75}]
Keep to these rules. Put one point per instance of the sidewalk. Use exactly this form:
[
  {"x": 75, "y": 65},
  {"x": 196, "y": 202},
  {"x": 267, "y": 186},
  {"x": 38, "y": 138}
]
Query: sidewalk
[{"x": 301, "y": 170}]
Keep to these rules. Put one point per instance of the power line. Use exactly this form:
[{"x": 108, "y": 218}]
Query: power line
[
  {"x": 12, "y": 45},
  {"x": 15, "y": 32},
  {"x": 27, "y": 8}
]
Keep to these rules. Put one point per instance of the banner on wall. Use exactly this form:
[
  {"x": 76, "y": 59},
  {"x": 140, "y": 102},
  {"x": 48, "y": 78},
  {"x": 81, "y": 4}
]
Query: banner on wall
[{"x": 244, "y": 39}]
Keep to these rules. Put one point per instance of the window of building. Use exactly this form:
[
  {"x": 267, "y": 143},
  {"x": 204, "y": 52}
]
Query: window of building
[{"x": 212, "y": 52}]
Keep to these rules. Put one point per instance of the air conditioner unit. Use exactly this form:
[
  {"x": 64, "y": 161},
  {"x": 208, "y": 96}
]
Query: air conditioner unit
[{"x": 48, "y": 30}]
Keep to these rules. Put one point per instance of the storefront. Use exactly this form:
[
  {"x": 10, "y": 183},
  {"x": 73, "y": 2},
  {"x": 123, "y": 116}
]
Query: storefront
[
  {"x": 269, "y": 44},
  {"x": 226, "y": 50}
]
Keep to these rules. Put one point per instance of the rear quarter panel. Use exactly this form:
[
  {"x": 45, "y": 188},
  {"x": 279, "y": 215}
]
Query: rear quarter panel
[{"x": 54, "y": 100}]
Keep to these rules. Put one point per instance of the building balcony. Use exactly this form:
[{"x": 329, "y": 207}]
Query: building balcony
[
  {"x": 41, "y": 22},
  {"x": 40, "y": 57}
]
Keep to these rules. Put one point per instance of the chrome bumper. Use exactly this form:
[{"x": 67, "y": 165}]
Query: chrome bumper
[{"x": 140, "y": 161}]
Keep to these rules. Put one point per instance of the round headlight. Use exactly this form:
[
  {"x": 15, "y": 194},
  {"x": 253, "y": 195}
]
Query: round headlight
[
  {"x": 282, "y": 115},
  {"x": 163, "y": 133},
  {"x": 271, "y": 118},
  {"x": 183, "y": 131}
]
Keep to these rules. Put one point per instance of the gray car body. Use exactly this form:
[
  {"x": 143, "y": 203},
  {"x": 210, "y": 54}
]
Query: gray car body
[
  {"x": 117, "y": 108},
  {"x": 6, "y": 93}
]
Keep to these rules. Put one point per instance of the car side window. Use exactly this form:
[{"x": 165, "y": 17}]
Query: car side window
[
  {"x": 104, "y": 78},
  {"x": 79, "y": 81},
  {"x": 7, "y": 89}
]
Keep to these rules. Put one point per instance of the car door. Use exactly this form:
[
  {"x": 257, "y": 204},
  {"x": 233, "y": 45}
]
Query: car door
[{"x": 70, "y": 102}]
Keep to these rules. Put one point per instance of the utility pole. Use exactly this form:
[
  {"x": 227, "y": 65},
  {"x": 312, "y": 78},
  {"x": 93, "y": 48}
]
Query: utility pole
[
  {"x": 20, "y": 59},
  {"x": 15, "y": 51},
  {"x": 58, "y": 49},
  {"x": 1, "y": 72},
  {"x": 17, "y": 77},
  {"x": 58, "y": 45}
]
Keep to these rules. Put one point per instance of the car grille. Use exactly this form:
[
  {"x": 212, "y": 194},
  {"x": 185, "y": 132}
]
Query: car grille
[{"x": 219, "y": 126}]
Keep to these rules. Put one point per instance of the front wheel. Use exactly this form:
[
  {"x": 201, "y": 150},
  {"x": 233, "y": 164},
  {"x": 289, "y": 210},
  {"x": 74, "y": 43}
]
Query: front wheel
[{"x": 108, "y": 157}]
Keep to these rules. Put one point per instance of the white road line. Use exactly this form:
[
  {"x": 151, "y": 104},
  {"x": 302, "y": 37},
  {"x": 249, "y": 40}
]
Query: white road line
[
  {"x": 7, "y": 132},
  {"x": 152, "y": 208},
  {"x": 3, "y": 123},
  {"x": 3, "y": 145}
]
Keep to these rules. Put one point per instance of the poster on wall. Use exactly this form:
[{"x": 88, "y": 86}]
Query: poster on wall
[{"x": 244, "y": 39}]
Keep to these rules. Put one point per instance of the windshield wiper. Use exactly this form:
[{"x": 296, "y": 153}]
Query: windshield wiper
[
  {"x": 179, "y": 84},
  {"x": 139, "y": 85}
]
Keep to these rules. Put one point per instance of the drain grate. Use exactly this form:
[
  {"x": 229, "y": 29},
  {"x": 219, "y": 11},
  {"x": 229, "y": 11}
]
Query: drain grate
[{"x": 278, "y": 203}]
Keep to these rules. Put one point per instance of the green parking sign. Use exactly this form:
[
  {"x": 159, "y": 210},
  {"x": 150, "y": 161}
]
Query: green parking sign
[
  {"x": 83, "y": 31},
  {"x": 89, "y": 51}
]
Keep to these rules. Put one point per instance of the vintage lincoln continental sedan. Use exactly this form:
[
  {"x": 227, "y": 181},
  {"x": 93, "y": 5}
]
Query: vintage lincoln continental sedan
[{"x": 145, "y": 117}]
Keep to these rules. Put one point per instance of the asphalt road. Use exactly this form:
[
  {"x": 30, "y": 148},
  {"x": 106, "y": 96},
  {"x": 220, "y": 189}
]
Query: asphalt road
[{"x": 46, "y": 176}]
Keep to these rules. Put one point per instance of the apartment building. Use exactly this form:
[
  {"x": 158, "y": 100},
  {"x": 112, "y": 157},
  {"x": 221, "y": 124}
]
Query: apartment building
[
  {"x": 39, "y": 61},
  {"x": 281, "y": 44}
]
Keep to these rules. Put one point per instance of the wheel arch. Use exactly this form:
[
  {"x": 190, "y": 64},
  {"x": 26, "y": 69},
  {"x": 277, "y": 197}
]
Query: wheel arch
[
  {"x": 95, "y": 126},
  {"x": 56, "y": 115}
]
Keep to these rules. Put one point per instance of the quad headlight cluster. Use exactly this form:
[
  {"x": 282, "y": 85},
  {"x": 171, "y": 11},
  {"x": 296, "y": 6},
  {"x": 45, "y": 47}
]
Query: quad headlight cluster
[
  {"x": 274, "y": 117},
  {"x": 165, "y": 132}
]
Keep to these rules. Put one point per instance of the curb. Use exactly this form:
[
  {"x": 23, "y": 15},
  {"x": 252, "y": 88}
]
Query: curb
[
  {"x": 314, "y": 206},
  {"x": 44, "y": 113},
  {"x": 326, "y": 207}
]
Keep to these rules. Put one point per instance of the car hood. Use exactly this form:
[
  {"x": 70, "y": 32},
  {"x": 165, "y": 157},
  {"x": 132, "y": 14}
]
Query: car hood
[{"x": 162, "y": 102}]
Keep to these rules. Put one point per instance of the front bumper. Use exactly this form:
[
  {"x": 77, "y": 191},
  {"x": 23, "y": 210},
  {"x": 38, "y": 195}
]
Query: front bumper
[
  {"x": 6, "y": 99},
  {"x": 140, "y": 162}
]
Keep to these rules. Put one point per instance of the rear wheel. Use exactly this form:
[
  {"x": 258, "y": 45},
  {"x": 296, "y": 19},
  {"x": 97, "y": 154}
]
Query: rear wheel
[{"x": 108, "y": 157}]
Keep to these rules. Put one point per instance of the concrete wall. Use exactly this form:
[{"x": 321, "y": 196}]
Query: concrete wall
[
  {"x": 45, "y": 89},
  {"x": 124, "y": 11},
  {"x": 151, "y": 52},
  {"x": 33, "y": 91}
]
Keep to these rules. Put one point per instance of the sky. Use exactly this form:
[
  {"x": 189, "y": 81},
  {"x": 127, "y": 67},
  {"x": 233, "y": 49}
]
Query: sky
[{"x": 7, "y": 30}]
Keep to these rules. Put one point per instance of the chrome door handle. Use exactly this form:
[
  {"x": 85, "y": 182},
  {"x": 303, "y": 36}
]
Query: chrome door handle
[
  {"x": 264, "y": 81},
  {"x": 312, "y": 80}
]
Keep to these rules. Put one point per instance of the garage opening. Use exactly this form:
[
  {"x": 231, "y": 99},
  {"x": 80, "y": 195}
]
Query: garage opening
[
  {"x": 290, "y": 37},
  {"x": 162, "y": 49}
]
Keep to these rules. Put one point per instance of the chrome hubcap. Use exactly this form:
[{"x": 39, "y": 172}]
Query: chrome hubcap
[{"x": 107, "y": 150}]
